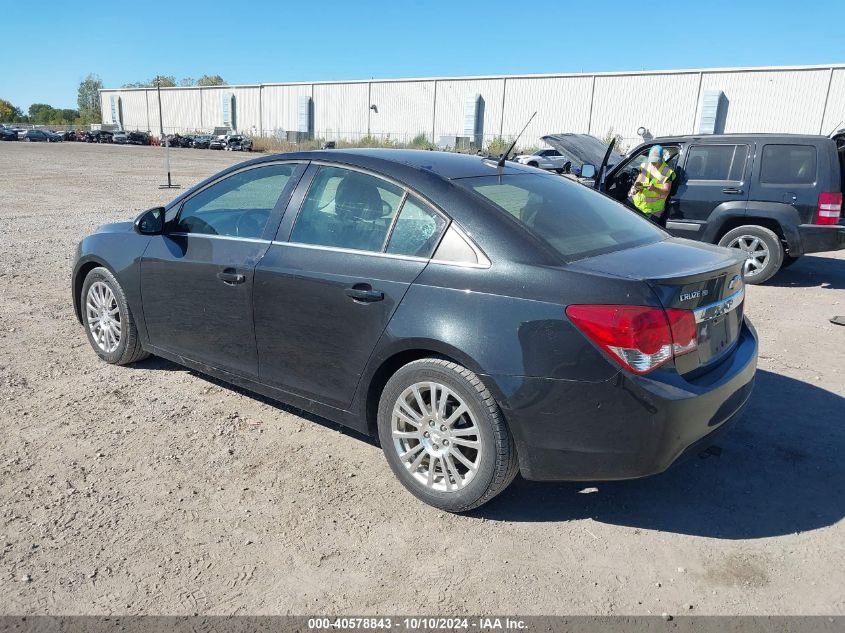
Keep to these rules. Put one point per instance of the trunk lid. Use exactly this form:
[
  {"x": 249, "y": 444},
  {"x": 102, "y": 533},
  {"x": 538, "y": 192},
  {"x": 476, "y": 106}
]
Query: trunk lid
[{"x": 704, "y": 279}]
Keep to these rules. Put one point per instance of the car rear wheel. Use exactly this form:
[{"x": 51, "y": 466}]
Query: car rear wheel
[
  {"x": 763, "y": 251},
  {"x": 108, "y": 321},
  {"x": 444, "y": 436}
]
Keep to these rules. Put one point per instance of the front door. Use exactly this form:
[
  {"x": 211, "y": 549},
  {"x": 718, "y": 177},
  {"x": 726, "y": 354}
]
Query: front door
[
  {"x": 197, "y": 279},
  {"x": 324, "y": 295},
  {"x": 713, "y": 175}
]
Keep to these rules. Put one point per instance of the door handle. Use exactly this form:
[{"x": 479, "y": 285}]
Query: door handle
[
  {"x": 733, "y": 190},
  {"x": 364, "y": 293},
  {"x": 230, "y": 277}
]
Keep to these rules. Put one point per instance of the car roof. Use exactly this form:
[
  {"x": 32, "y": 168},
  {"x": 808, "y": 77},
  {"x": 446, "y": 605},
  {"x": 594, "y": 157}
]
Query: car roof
[
  {"x": 396, "y": 162},
  {"x": 735, "y": 136}
]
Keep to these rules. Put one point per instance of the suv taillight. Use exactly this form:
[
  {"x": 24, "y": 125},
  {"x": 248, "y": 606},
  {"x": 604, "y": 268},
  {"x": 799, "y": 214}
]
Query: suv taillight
[
  {"x": 830, "y": 206},
  {"x": 640, "y": 338}
]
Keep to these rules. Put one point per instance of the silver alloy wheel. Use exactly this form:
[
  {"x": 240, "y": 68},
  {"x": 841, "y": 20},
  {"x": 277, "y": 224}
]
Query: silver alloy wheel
[
  {"x": 103, "y": 316},
  {"x": 756, "y": 252},
  {"x": 436, "y": 436}
]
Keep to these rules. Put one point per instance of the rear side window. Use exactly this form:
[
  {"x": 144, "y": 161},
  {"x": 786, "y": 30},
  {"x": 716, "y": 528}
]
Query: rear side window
[
  {"x": 575, "y": 221},
  {"x": 416, "y": 231},
  {"x": 347, "y": 209},
  {"x": 716, "y": 162},
  {"x": 788, "y": 165}
]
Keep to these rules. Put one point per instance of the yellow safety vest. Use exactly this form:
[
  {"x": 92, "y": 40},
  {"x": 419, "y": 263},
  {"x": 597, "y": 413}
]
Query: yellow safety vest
[{"x": 651, "y": 202}]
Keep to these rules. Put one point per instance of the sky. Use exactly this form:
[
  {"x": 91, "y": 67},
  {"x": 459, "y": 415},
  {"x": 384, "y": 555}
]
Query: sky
[{"x": 258, "y": 41}]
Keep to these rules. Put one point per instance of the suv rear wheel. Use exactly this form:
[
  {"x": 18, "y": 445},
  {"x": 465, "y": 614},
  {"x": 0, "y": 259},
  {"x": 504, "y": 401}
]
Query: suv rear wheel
[
  {"x": 444, "y": 436},
  {"x": 762, "y": 248}
]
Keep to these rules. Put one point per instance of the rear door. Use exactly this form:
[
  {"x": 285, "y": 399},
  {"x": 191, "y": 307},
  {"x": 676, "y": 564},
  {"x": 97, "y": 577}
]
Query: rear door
[
  {"x": 713, "y": 175},
  {"x": 788, "y": 173},
  {"x": 350, "y": 246}
]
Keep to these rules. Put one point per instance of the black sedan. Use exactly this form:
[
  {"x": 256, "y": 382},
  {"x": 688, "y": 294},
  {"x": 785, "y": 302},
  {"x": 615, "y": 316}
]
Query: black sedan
[
  {"x": 41, "y": 136},
  {"x": 201, "y": 141},
  {"x": 8, "y": 134},
  {"x": 480, "y": 320}
]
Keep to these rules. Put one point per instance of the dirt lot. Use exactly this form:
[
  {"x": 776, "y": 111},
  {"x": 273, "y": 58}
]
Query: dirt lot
[{"x": 152, "y": 489}]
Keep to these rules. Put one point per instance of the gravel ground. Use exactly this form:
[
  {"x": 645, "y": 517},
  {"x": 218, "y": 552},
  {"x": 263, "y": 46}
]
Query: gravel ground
[{"x": 152, "y": 489}]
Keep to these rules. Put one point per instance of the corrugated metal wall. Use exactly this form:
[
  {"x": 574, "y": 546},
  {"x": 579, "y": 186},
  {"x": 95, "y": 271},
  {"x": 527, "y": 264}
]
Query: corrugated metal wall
[{"x": 793, "y": 99}]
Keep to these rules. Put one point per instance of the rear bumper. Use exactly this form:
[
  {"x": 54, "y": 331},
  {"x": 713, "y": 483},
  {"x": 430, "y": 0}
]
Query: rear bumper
[
  {"x": 626, "y": 427},
  {"x": 818, "y": 239}
]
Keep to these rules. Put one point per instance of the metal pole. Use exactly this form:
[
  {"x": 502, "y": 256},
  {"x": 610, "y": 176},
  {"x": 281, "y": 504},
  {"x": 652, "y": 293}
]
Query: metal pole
[{"x": 169, "y": 184}]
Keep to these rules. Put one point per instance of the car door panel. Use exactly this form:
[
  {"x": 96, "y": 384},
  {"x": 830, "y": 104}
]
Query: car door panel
[
  {"x": 714, "y": 176},
  {"x": 197, "y": 281},
  {"x": 313, "y": 338},
  {"x": 194, "y": 303}
]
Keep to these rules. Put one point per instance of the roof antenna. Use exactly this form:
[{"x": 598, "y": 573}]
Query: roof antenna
[{"x": 504, "y": 157}]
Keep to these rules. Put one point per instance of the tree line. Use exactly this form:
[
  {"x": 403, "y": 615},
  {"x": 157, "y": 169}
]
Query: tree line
[
  {"x": 88, "y": 102},
  {"x": 169, "y": 81}
]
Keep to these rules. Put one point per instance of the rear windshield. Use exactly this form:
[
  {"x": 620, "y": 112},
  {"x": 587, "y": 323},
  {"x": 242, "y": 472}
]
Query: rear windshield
[{"x": 574, "y": 220}]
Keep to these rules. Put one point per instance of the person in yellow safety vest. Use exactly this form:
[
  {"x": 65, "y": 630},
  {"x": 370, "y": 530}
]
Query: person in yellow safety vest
[{"x": 651, "y": 188}]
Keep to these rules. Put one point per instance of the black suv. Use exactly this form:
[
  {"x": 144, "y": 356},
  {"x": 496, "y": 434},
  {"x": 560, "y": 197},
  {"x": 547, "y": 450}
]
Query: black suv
[{"x": 774, "y": 196}]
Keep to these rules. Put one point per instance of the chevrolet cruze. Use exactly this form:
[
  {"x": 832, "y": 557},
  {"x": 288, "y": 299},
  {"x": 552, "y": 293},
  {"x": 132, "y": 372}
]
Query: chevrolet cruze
[{"x": 479, "y": 319}]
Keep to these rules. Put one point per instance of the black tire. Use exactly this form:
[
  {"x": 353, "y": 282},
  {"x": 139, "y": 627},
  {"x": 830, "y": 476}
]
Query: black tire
[
  {"x": 788, "y": 260},
  {"x": 498, "y": 463},
  {"x": 533, "y": 163},
  {"x": 774, "y": 260},
  {"x": 129, "y": 348}
]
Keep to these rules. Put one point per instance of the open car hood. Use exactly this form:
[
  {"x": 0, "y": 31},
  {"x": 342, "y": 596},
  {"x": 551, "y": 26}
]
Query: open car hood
[{"x": 582, "y": 148}]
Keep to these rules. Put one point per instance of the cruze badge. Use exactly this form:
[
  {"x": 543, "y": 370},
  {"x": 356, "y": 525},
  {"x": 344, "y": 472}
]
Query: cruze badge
[{"x": 695, "y": 294}]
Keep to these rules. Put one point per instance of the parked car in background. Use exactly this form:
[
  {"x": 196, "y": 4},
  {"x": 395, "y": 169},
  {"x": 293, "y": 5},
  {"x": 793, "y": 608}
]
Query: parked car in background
[
  {"x": 177, "y": 140},
  {"x": 8, "y": 134},
  {"x": 120, "y": 138},
  {"x": 480, "y": 320},
  {"x": 217, "y": 142},
  {"x": 201, "y": 141},
  {"x": 138, "y": 138},
  {"x": 99, "y": 136},
  {"x": 67, "y": 135},
  {"x": 773, "y": 197},
  {"x": 41, "y": 136},
  {"x": 550, "y": 159},
  {"x": 80, "y": 136},
  {"x": 238, "y": 143}
]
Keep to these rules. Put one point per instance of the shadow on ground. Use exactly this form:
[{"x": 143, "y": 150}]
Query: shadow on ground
[
  {"x": 781, "y": 471},
  {"x": 812, "y": 271}
]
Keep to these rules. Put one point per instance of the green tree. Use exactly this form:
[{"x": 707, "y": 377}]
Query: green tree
[
  {"x": 211, "y": 80},
  {"x": 164, "y": 81},
  {"x": 187, "y": 81},
  {"x": 10, "y": 113},
  {"x": 89, "y": 99},
  {"x": 40, "y": 113}
]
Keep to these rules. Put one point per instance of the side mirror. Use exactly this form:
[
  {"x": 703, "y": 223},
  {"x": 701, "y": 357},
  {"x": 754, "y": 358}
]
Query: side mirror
[
  {"x": 150, "y": 222},
  {"x": 588, "y": 171}
]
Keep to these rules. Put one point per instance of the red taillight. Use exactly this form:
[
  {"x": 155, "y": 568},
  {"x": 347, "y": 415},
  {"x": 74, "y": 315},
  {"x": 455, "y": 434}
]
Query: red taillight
[
  {"x": 830, "y": 206},
  {"x": 640, "y": 337}
]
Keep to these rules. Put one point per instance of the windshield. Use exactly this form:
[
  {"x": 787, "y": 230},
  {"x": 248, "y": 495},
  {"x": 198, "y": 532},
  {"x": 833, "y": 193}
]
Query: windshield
[{"x": 574, "y": 220}]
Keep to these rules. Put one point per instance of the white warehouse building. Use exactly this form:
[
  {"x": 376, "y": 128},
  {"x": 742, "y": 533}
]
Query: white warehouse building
[{"x": 475, "y": 110}]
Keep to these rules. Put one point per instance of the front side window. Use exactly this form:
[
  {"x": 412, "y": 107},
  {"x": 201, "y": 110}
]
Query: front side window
[
  {"x": 237, "y": 206},
  {"x": 347, "y": 209},
  {"x": 716, "y": 162},
  {"x": 788, "y": 165},
  {"x": 573, "y": 220}
]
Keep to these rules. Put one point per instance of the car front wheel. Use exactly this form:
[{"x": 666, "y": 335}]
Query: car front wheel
[
  {"x": 444, "y": 435},
  {"x": 108, "y": 321},
  {"x": 763, "y": 251}
]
